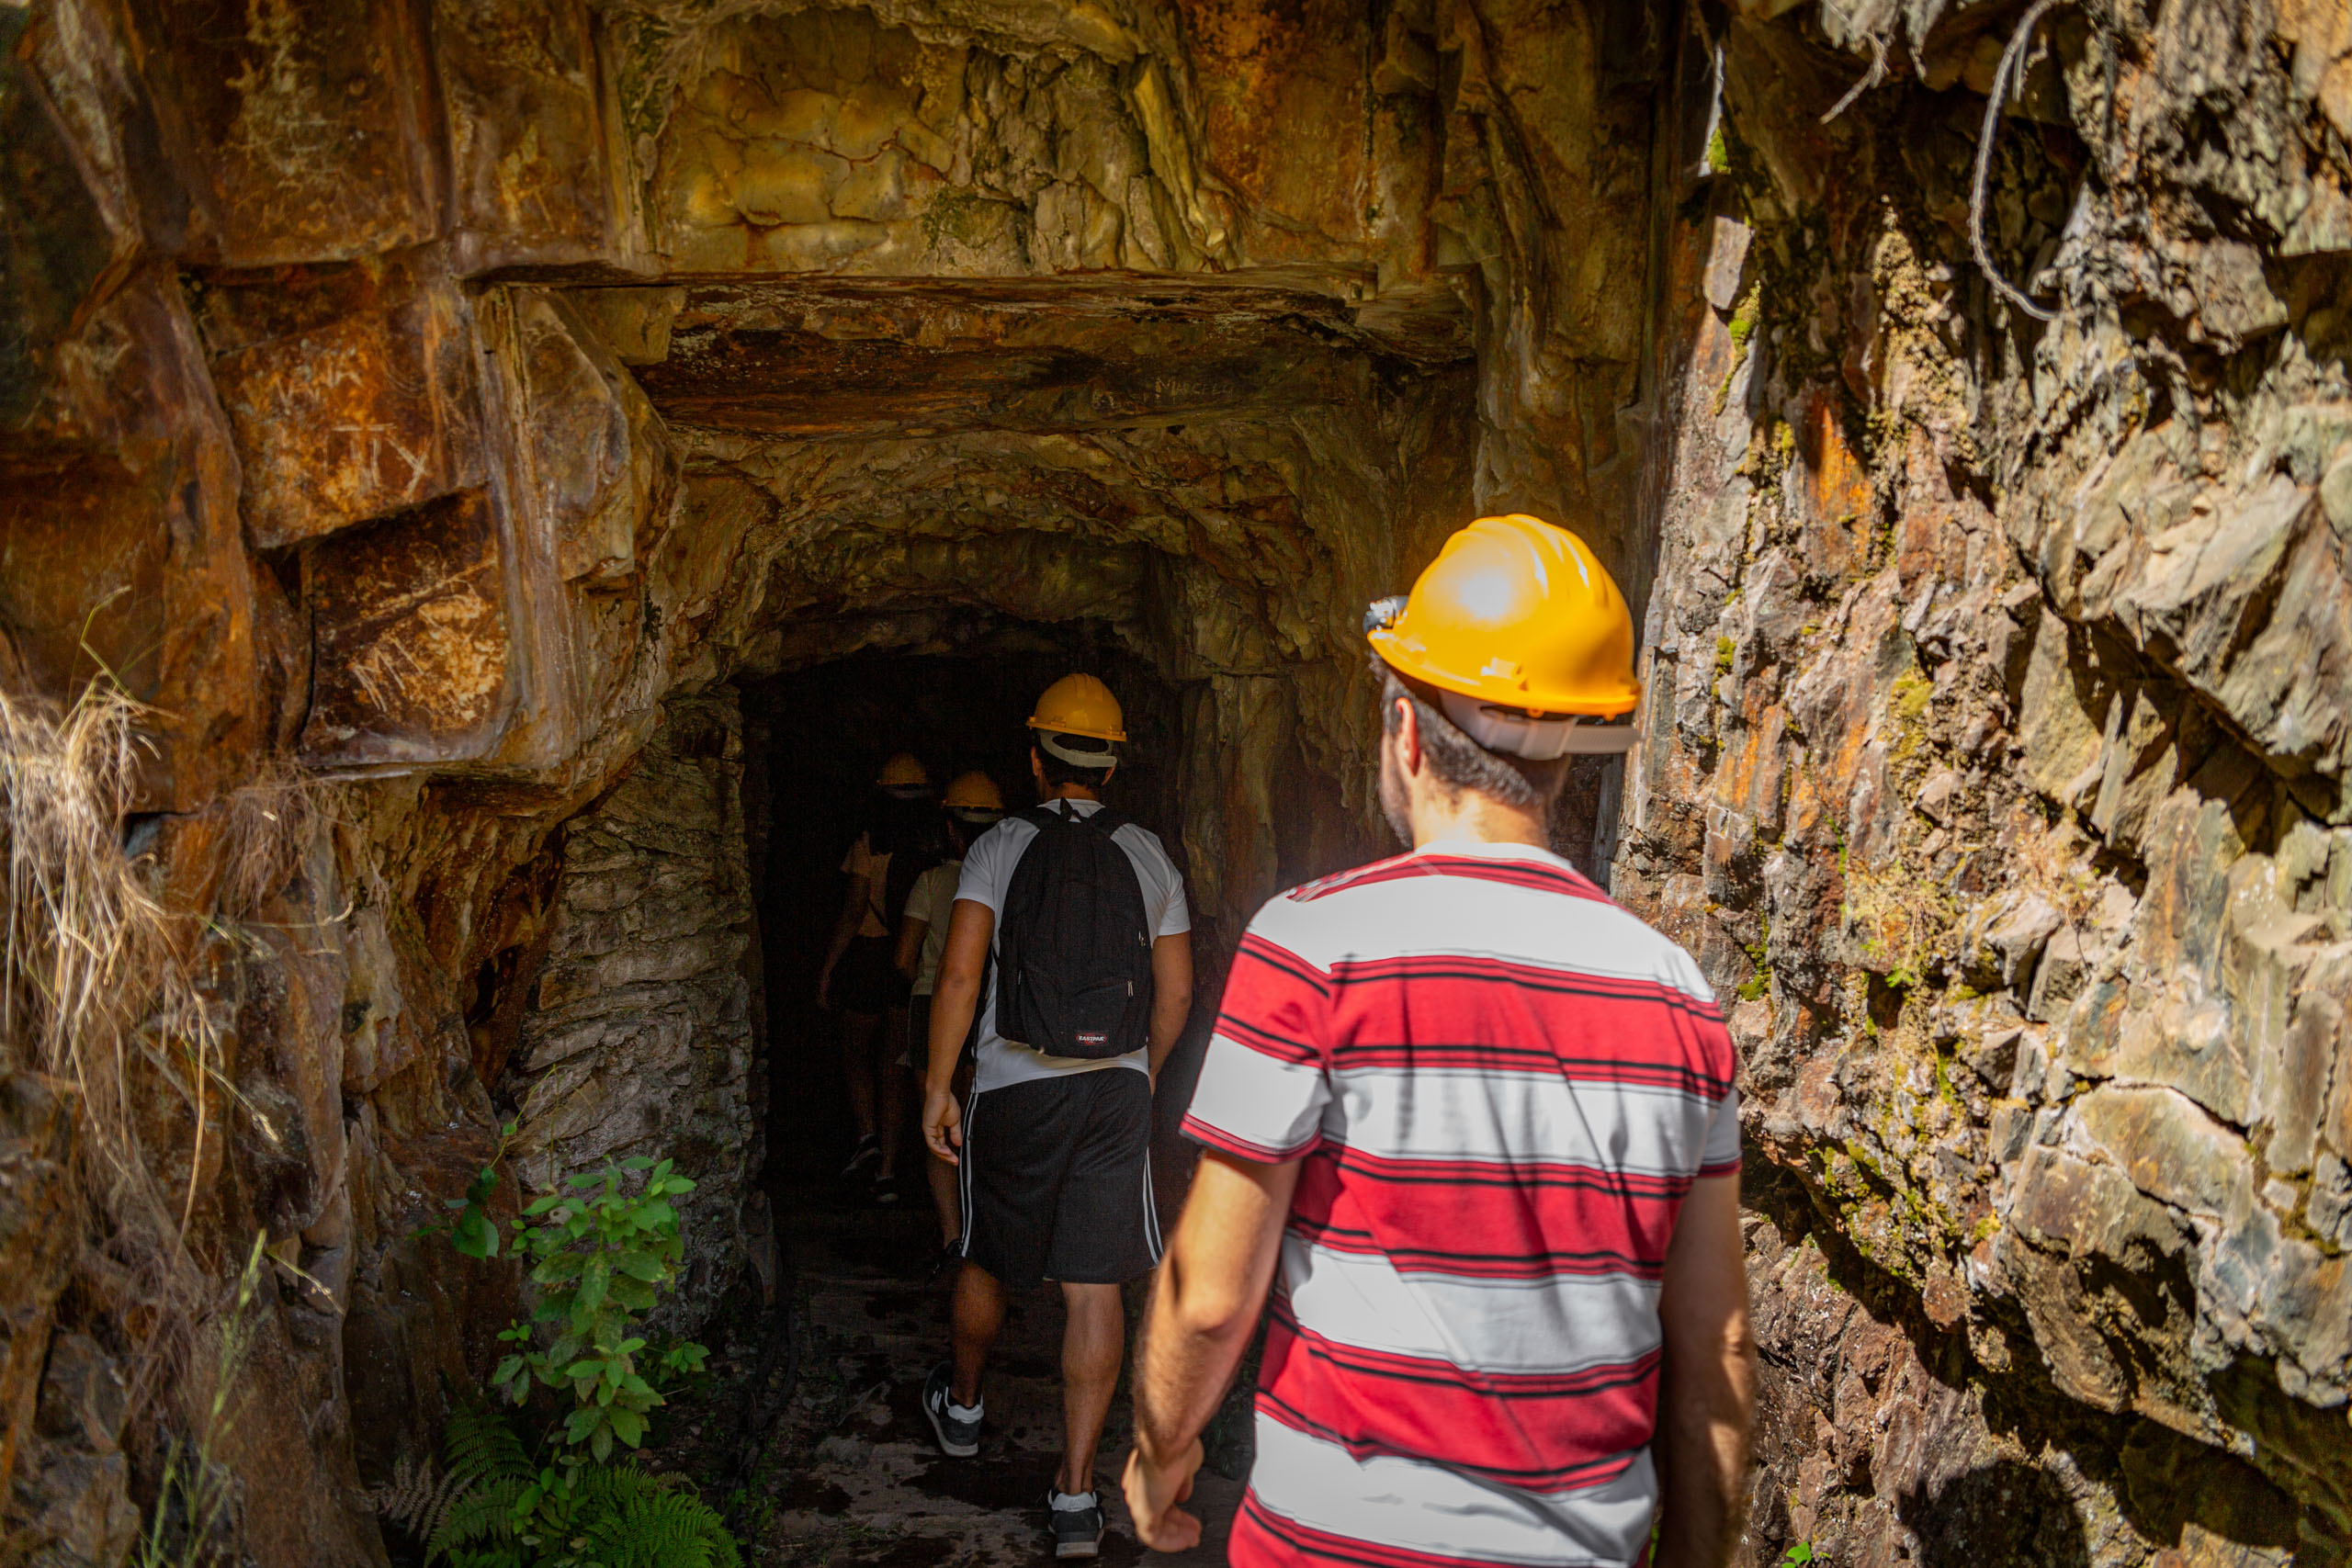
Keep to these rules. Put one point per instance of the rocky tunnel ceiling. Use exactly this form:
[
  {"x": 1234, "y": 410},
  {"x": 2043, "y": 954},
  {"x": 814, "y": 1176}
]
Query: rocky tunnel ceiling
[
  {"x": 1215, "y": 471},
  {"x": 1127, "y": 451},
  {"x": 800, "y": 357}
]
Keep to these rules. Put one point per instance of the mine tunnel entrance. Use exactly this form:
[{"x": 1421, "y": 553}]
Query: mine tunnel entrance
[
  {"x": 883, "y": 516},
  {"x": 815, "y": 740},
  {"x": 867, "y": 1288}
]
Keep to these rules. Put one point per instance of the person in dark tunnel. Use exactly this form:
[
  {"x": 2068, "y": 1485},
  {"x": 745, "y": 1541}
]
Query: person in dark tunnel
[
  {"x": 902, "y": 837},
  {"x": 974, "y": 805},
  {"x": 1070, "y": 939}
]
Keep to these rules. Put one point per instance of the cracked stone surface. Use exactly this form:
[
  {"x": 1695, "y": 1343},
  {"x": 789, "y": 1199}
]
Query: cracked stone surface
[{"x": 1989, "y": 775}]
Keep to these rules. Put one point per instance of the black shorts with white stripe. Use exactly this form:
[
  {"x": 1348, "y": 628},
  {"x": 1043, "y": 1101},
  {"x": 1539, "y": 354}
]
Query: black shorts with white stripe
[{"x": 1057, "y": 1179}]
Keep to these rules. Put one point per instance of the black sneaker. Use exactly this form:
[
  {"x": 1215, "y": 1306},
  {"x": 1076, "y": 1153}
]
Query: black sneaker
[
  {"x": 1077, "y": 1524},
  {"x": 958, "y": 1439},
  {"x": 865, "y": 1154}
]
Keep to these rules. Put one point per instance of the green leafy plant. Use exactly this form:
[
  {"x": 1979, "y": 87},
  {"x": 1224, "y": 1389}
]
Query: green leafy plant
[
  {"x": 1801, "y": 1552},
  {"x": 499, "y": 1509},
  {"x": 600, "y": 1255},
  {"x": 468, "y": 1224},
  {"x": 600, "y": 1250},
  {"x": 470, "y": 1229}
]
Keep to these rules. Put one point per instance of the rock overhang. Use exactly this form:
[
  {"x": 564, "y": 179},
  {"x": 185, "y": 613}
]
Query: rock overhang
[
  {"x": 1130, "y": 449},
  {"x": 797, "y": 356}
]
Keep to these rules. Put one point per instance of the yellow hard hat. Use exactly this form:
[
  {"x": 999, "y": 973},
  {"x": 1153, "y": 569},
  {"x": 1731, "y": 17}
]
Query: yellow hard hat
[
  {"x": 1079, "y": 704},
  {"x": 974, "y": 791},
  {"x": 1526, "y": 634},
  {"x": 903, "y": 770}
]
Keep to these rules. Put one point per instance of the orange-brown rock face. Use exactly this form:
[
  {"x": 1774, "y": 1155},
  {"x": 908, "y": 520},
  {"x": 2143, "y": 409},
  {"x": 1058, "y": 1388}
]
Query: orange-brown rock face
[
  {"x": 452, "y": 421},
  {"x": 1980, "y": 777},
  {"x": 350, "y": 391}
]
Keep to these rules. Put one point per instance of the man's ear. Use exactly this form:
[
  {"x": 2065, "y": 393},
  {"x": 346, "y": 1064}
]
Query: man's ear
[
  {"x": 1407, "y": 737},
  {"x": 1108, "y": 772}
]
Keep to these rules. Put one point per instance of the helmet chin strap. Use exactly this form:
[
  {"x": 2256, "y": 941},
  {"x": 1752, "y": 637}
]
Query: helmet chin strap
[
  {"x": 1539, "y": 738},
  {"x": 1072, "y": 755}
]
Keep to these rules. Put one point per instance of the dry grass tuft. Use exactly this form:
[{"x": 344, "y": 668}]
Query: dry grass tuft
[
  {"x": 268, "y": 826},
  {"x": 1902, "y": 920},
  {"x": 107, "y": 987},
  {"x": 192, "y": 1524},
  {"x": 96, "y": 979}
]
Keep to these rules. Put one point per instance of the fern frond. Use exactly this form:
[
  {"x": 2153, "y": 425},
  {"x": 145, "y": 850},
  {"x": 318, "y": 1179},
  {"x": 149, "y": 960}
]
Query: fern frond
[
  {"x": 479, "y": 1446},
  {"x": 488, "y": 1557},
  {"x": 482, "y": 1518},
  {"x": 417, "y": 1497},
  {"x": 407, "y": 1499},
  {"x": 638, "y": 1521}
]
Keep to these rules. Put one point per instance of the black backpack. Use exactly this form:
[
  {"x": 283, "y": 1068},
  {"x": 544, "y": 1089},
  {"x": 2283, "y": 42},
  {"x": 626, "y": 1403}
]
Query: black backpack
[{"x": 1074, "y": 950}]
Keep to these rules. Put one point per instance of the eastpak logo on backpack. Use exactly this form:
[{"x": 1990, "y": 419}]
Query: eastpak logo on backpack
[{"x": 1073, "y": 948}]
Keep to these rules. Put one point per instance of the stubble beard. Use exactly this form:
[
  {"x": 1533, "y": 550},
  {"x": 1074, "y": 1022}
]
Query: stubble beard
[{"x": 1395, "y": 804}]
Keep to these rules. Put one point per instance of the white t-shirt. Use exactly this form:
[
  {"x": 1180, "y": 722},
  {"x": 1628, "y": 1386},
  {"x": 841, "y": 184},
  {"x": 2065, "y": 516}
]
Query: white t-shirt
[
  {"x": 931, "y": 900},
  {"x": 988, "y": 874}
]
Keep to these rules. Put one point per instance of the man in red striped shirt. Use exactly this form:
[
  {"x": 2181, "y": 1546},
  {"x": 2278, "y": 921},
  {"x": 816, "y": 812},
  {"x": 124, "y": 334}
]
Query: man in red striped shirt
[{"x": 1482, "y": 1122}]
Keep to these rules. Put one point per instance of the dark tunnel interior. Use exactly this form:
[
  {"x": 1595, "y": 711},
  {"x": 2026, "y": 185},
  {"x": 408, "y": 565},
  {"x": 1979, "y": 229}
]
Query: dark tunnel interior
[{"x": 817, "y": 737}]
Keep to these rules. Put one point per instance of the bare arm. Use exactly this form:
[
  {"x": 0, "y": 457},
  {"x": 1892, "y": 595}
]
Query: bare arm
[
  {"x": 954, "y": 998},
  {"x": 852, "y": 915},
  {"x": 1171, "y": 995},
  {"x": 910, "y": 953},
  {"x": 1204, "y": 1304},
  {"x": 1707, "y": 1395}
]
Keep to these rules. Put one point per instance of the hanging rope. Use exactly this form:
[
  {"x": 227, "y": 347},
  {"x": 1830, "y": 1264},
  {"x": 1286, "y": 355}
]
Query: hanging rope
[
  {"x": 1870, "y": 78},
  {"x": 2002, "y": 76}
]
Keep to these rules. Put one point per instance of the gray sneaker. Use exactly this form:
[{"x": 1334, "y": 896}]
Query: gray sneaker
[
  {"x": 957, "y": 1438},
  {"x": 1077, "y": 1524}
]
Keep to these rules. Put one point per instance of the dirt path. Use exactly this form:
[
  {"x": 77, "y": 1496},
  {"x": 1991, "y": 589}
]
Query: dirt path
[{"x": 851, "y": 1476}]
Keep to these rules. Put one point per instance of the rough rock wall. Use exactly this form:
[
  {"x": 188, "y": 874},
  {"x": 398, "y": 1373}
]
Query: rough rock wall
[
  {"x": 639, "y": 1038},
  {"x": 1994, "y": 767},
  {"x": 420, "y": 397},
  {"x": 64, "y": 1396}
]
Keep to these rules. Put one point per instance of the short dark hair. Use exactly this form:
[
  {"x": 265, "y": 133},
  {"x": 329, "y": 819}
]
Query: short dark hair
[
  {"x": 1461, "y": 763},
  {"x": 1060, "y": 773}
]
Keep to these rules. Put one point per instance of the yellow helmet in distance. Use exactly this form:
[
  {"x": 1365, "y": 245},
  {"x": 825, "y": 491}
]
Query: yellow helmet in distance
[
  {"x": 905, "y": 775},
  {"x": 974, "y": 797}
]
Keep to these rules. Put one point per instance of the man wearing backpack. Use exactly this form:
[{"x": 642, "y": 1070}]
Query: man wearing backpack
[{"x": 1068, "y": 945}]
